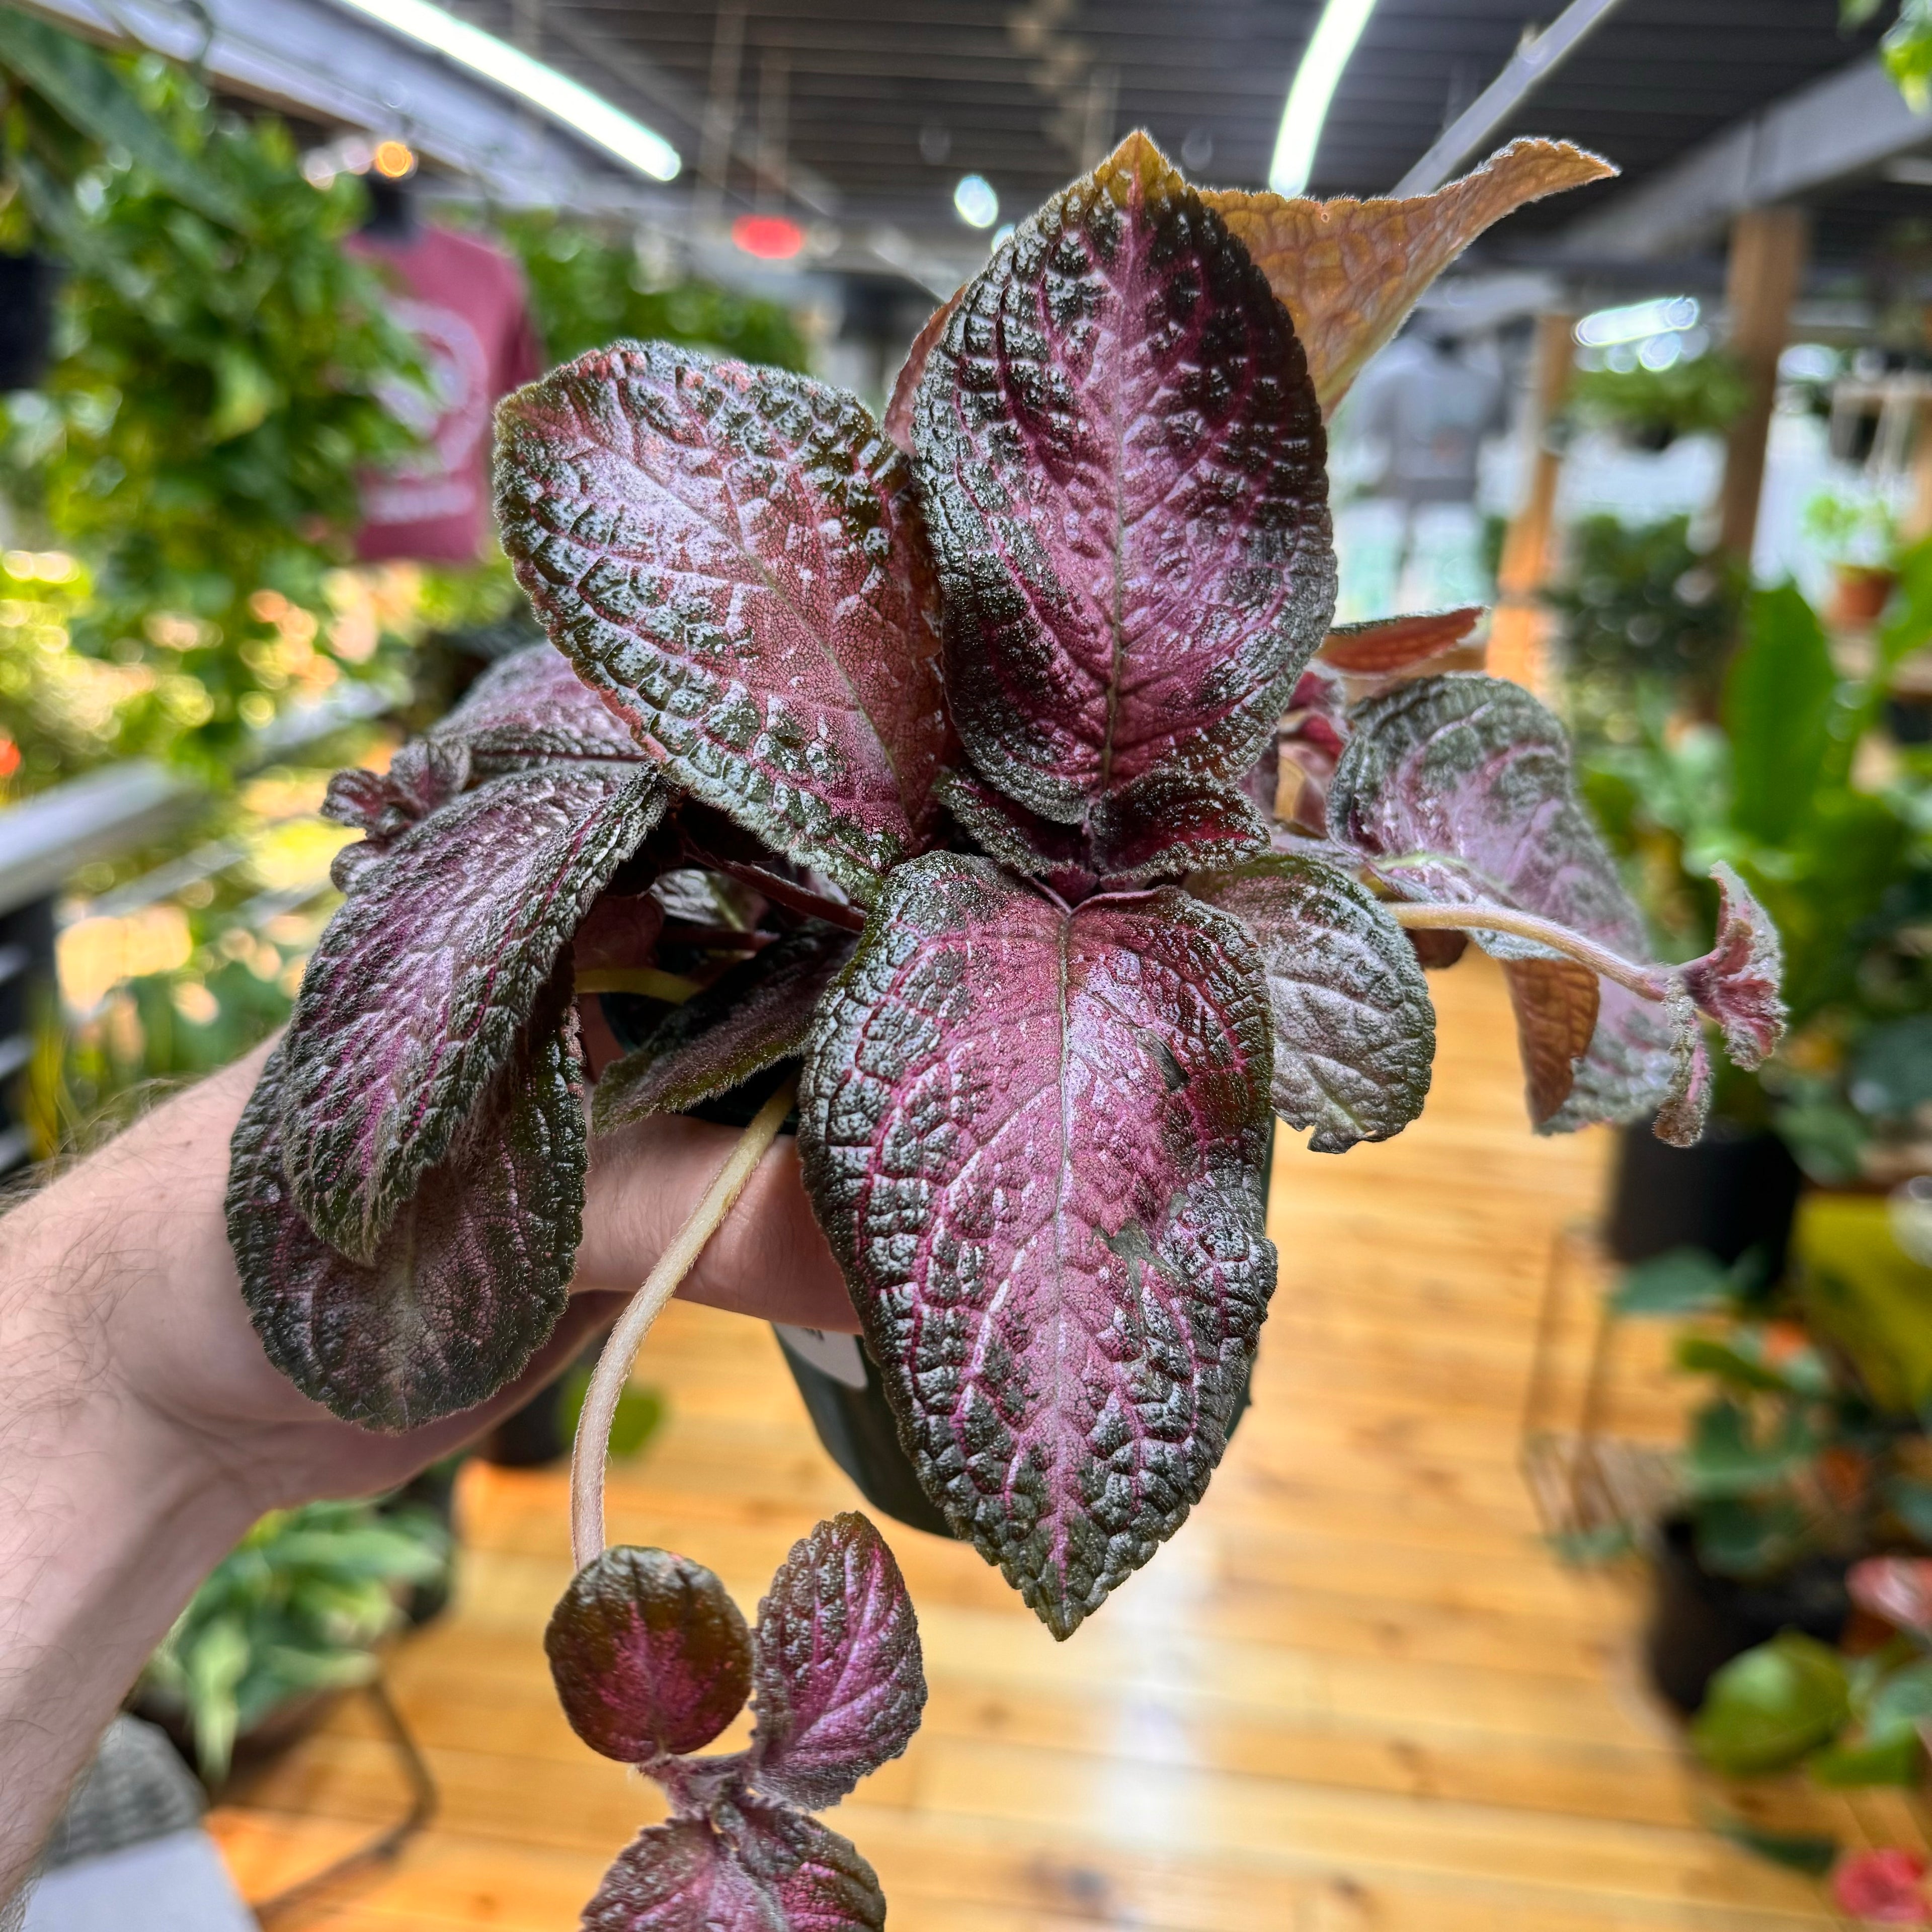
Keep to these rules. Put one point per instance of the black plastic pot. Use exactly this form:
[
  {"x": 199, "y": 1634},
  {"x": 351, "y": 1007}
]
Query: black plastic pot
[
  {"x": 1698, "y": 1622},
  {"x": 26, "y": 319},
  {"x": 1735, "y": 1190}
]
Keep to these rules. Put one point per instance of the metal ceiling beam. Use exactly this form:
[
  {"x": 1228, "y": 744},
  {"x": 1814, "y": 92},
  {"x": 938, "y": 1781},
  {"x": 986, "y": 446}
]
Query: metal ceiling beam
[
  {"x": 309, "y": 58},
  {"x": 1539, "y": 56},
  {"x": 1849, "y": 122}
]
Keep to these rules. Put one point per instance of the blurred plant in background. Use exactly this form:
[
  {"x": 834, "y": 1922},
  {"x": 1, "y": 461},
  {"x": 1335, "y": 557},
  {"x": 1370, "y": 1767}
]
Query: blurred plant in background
[
  {"x": 1651, "y": 407},
  {"x": 296, "y": 1611},
  {"x": 215, "y": 395},
  {"x": 1831, "y": 824},
  {"x": 1906, "y": 49},
  {"x": 1645, "y": 622},
  {"x": 588, "y": 286}
]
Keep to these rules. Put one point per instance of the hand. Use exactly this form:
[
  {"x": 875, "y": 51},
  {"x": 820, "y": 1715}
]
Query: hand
[{"x": 143, "y": 1428}]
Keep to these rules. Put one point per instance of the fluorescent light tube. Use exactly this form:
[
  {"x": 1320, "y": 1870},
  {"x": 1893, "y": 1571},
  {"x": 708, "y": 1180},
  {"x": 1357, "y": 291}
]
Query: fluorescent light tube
[
  {"x": 583, "y": 112},
  {"x": 1327, "y": 55}
]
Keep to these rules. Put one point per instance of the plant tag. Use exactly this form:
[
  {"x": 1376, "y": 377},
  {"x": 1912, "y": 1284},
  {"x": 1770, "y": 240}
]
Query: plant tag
[{"x": 831, "y": 1354}]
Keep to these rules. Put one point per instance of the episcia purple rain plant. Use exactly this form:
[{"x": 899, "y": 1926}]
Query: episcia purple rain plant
[{"x": 997, "y": 766}]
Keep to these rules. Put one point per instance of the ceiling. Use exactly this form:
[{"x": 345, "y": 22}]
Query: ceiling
[{"x": 879, "y": 106}]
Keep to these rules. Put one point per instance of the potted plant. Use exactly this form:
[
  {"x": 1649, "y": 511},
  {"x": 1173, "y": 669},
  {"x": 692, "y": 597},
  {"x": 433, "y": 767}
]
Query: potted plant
[
  {"x": 1651, "y": 407},
  {"x": 1792, "y": 785},
  {"x": 1859, "y": 537},
  {"x": 290, "y": 1617},
  {"x": 972, "y": 718}
]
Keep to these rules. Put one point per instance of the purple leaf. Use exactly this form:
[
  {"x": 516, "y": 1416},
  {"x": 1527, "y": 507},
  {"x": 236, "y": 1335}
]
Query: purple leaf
[
  {"x": 1022, "y": 841},
  {"x": 1354, "y": 1030},
  {"x": 424, "y": 977},
  {"x": 1036, "y": 1142},
  {"x": 752, "y": 1869},
  {"x": 1686, "y": 1105},
  {"x": 1737, "y": 982},
  {"x": 650, "y": 1655},
  {"x": 1170, "y": 822},
  {"x": 422, "y": 779},
  {"x": 897, "y": 422},
  {"x": 1459, "y": 788},
  {"x": 1392, "y": 647},
  {"x": 1122, "y": 463},
  {"x": 840, "y": 1684},
  {"x": 732, "y": 557},
  {"x": 532, "y": 709},
  {"x": 470, "y": 1278},
  {"x": 758, "y": 1012}
]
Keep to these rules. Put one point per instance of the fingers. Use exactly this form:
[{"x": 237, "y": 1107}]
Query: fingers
[{"x": 768, "y": 1260}]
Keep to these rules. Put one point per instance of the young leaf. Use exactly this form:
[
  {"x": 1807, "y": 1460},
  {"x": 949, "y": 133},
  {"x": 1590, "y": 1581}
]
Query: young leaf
[
  {"x": 1121, "y": 462},
  {"x": 423, "y": 978},
  {"x": 750, "y": 1870},
  {"x": 423, "y": 777},
  {"x": 650, "y": 1655},
  {"x": 1350, "y": 271},
  {"x": 1169, "y": 821},
  {"x": 840, "y": 1682},
  {"x": 1354, "y": 1030},
  {"x": 1059, "y": 854},
  {"x": 1036, "y": 1140},
  {"x": 757, "y": 1012},
  {"x": 533, "y": 708},
  {"x": 1555, "y": 1003},
  {"x": 897, "y": 422},
  {"x": 1460, "y": 788},
  {"x": 731, "y": 557},
  {"x": 1737, "y": 982},
  {"x": 1388, "y": 646},
  {"x": 470, "y": 1278}
]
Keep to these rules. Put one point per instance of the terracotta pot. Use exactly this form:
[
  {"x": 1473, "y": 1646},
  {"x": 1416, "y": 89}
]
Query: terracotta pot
[{"x": 1859, "y": 594}]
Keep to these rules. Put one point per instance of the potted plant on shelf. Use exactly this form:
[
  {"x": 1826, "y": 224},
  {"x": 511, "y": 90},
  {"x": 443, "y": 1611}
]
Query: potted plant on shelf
[
  {"x": 952, "y": 741},
  {"x": 1650, "y": 407},
  {"x": 1796, "y": 787},
  {"x": 1859, "y": 538},
  {"x": 292, "y": 1616}
]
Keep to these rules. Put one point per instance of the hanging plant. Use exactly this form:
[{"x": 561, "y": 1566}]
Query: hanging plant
[{"x": 961, "y": 736}]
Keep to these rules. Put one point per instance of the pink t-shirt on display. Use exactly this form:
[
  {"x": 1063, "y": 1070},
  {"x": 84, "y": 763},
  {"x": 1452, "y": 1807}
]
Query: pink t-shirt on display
[{"x": 464, "y": 302}]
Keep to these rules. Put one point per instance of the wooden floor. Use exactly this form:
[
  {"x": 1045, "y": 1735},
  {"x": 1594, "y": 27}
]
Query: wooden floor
[{"x": 1355, "y": 1692}]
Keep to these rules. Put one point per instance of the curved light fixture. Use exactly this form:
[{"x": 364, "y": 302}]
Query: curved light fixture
[
  {"x": 1323, "y": 60},
  {"x": 589, "y": 114}
]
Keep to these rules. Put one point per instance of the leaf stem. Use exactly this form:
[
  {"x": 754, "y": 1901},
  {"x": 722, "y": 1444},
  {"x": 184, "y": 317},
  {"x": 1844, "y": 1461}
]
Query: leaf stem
[
  {"x": 794, "y": 898},
  {"x": 591, "y": 1449},
  {"x": 672, "y": 987},
  {"x": 1647, "y": 984}
]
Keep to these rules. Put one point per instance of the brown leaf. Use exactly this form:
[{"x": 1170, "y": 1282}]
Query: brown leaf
[
  {"x": 1350, "y": 271},
  {"x": 1556, "y": 1003},
  {"x": 1388, "y": 645}
]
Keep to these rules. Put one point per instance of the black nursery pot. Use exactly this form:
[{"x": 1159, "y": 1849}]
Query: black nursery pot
[
  {"x": 26, "y": 319},
  {"x": 1735, "y": 1190},
  {"x": 1698, "y": 1622},
  {"x": 837, "y": 1377}
]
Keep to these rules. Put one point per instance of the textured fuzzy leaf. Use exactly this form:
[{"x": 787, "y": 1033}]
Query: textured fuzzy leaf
[
  {"x": 1556, "y": 1002},
  {"x": 532, "y": 709},
  {"x": 1350, "y": 271},
  {"x": 1737, "y": 982},
  {"x": 1387, "y": 647},
  {"x": 1036, "y": 1141},
  {"x": 469, "y": 1279},
  {"x": 422, "y": 779},
  {"x": 755, "y": 1870},
  {"x": 1460, "y": 788},
  {"x": 1122, "y": 465},
  {"x": 423, "y": 978},
  {"x": 1686, "y": 1105},
  {"x": 758, "y": 1012},
  {"x": 1170, "y": 822},
  {"x": 650, "y": 1655},
  {"x": 731, "y": 556},
  {"x": 1354, "y": 1029},
  {"x": 897, "y": 421},
  {"x": 1022, "y": 841},
  {"x": 840, "y": 1682}
]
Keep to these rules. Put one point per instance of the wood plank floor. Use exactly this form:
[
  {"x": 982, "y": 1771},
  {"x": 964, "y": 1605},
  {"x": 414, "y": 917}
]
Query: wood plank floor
[{"x": 1355, "y": 1692}]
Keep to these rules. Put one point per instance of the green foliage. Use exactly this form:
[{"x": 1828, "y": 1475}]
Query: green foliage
[
  {"x": 198, "y": 440},
  {"x": 1778, "y": 704},
  {"x": 1695, "y": 394},
  {"x": 1770, "y": 1707},
  {"x": 1906, "y": 48},
  {"x": 1641, "y": 610},
  {"x": 588, "y": 288},
  {"x": 296, "y": 1608}
]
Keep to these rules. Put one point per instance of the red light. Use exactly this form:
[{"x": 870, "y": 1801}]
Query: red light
[{"x": 769, "y": 237}]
